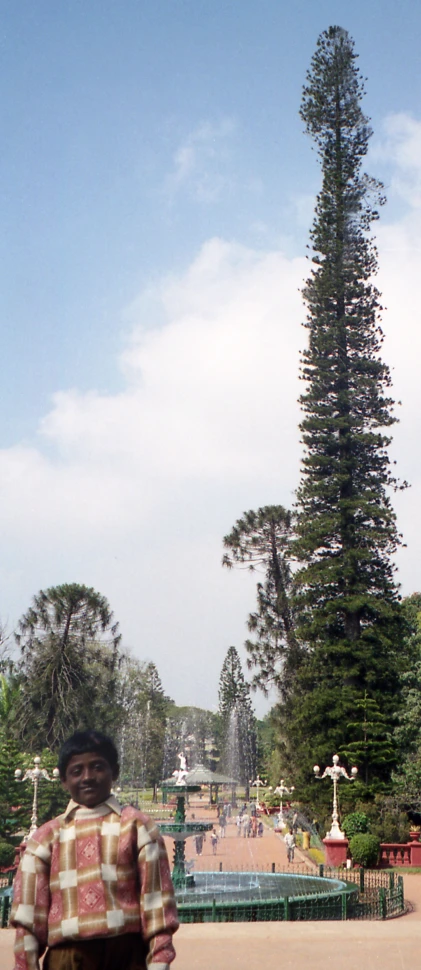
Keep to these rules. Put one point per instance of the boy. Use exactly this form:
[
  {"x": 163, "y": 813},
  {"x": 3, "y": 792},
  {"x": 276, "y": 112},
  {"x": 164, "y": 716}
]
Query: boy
[{"x": 94, "y": 884}]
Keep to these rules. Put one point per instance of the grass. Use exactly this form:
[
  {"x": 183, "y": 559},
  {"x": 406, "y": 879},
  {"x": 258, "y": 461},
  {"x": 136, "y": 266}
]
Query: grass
[{"x": 317, "y": 856}]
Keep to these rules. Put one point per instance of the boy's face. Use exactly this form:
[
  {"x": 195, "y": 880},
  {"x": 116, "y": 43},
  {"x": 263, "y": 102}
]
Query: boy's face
[{"x": 89, "y": 778}]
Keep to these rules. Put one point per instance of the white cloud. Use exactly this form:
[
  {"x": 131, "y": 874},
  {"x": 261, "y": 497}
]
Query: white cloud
[
  {"x": 400, "y": 146},
  {"x": 200, "y": 162},
  {"x": 132, "y": 492}
]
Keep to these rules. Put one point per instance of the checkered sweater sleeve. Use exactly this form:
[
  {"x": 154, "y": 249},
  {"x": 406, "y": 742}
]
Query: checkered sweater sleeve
[
  {"x": 31, "y": 896},
  {"x": 157, "y": 903}
]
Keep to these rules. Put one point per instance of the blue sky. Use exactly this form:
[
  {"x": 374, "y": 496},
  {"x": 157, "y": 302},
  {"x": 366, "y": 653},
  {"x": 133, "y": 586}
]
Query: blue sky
[{"x": 156, "y": 193}]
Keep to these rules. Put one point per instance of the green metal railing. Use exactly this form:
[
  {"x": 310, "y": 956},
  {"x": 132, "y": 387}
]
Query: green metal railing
[{"x": 368, "y": 894}]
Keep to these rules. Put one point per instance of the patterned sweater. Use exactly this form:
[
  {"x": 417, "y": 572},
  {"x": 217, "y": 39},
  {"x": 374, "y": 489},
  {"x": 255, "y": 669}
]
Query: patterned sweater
[{"x": 92, "y": 873}]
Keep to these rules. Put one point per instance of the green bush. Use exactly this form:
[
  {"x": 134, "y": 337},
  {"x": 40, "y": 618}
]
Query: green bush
[
  {"x": 7, "y": 854},
  {"x": 364, "y": 849},
  {"x": 354, "y": 823}
]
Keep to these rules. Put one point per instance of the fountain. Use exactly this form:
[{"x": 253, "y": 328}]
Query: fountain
[
  {"x": 180, "y": 829},
  {"x": 243, "y": 896}
]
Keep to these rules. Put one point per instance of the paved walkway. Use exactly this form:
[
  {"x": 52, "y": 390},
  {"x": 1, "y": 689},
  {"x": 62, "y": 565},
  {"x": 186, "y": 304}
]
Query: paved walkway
[{"x": 393, "y": 945}]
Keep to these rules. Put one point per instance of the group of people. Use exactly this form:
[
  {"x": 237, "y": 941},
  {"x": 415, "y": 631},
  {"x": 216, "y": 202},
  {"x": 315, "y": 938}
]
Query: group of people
[{"x": 248, "y": 826}]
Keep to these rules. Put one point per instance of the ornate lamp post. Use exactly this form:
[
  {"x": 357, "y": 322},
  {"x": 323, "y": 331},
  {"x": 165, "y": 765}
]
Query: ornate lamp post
[
  {"x": 282, "y": 790},
  {"x": 258, "y": 783},
  {"x": 34, "y": 775},
  {"x": 335, "y": 772}
]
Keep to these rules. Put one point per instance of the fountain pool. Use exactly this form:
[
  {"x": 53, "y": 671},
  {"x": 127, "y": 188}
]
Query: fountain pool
[{"x": 249, "y": 896}]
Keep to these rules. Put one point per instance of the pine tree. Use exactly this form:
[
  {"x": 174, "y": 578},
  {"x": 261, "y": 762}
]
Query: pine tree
[
  {"x": 347, "y": 598},
  {"x": 145, "y": 707},
  {"x": 261, "y": 541},
  {"x": 239, "y": 732},
  {"x": 68, "y": 670}
]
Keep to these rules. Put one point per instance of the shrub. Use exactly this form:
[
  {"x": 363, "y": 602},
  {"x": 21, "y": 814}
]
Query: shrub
[
  {"x": 354, "y": 823},
  {"x": 7, "y": 854},
  {"x": 388, "y": 821},
  {"x": 364, "y": 849},
  {"x": 271, "y": 800}
]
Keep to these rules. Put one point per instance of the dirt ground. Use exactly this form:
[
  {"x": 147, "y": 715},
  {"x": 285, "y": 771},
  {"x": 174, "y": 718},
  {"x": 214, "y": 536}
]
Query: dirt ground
[{"x": 369, "y": 945}]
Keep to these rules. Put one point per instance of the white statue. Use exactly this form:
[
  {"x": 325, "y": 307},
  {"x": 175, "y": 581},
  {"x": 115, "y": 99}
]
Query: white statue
[{"x": 181, "y": 773}]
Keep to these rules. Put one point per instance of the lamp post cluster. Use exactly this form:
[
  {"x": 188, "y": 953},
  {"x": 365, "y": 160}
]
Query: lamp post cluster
[
  {"x": 282, "y": 790},
  {"x": 258, "y": 784},
  {"x": 335, "y": 772},
  {"x": 34, "y": 775}
]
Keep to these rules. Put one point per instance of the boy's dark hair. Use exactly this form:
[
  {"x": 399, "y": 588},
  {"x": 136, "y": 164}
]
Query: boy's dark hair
[{"x": 83, "y": 742}]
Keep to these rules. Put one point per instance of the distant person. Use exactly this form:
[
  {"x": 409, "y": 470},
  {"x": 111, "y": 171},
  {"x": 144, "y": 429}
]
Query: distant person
[
  {"x": 290, "y": 845},
  {"x": 238, "y": 823},
  {"x": 260, "y": 829},
  {"x": 245, "y": 826},
  {"x": 222, "y": 825},
  {"x": 93, "y": 888},
  {"x": 254, "y": 826},
  {"x": 295, "y": 823},
  {"x": 214, "y": 841},
  {"x": 199, "y": 843}
]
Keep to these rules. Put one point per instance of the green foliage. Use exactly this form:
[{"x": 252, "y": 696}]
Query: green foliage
[
  {"x": 407, "y": 731},
  {"x": 354, "y": 823},
  {"x": 388, "y": 821},
  {"x": 373, "y": 738},
  {"x": 364, "y": 849},
  {"x": 261, "y": 541},
  {"x": 269, "y": 750},
  {"x": 145, "y": 708},
  {"x": 7, "y": 854},
  {"x": 238, "y": 722},
  {"x": 346, "y": 604},
  {"x": 196, "y": 732},
  {"x": 69, "y": 665},
  {"x": 270, "y": 799}
]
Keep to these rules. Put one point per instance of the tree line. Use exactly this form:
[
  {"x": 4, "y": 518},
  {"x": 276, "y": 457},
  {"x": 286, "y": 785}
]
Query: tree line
[{"x": 72, "y": 672}]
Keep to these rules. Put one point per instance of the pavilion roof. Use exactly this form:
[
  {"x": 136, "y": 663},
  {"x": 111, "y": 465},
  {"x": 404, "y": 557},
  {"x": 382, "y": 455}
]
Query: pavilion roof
[{"x": 204, "y": 776}]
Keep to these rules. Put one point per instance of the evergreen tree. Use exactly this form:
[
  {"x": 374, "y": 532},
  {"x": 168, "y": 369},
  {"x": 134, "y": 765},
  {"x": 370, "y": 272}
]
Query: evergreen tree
[
  {"x": 346, "y": 596},
  {"x": 145, "y": 707},
  {"x": 193, "y": 731},
  {"x": 238, "y": 722},
  {"x": 69, "y": 665},
  {"x": 261, "y": 541},
  {"x": 407, "y": 779}
]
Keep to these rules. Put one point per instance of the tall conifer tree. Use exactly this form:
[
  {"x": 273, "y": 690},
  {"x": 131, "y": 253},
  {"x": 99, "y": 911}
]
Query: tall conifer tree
[
  {"x": 347, "y": 599},
  {"x": 239, "y": 729}
]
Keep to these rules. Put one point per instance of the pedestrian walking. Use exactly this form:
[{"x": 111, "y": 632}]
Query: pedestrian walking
[
  {"x": 214, "y": 841},
  {"x": 290, "y": 845},
  {"x": 260, "y": 829}
]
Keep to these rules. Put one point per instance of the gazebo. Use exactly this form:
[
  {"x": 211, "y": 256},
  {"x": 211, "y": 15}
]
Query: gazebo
[{"x": 204, "y": 776}]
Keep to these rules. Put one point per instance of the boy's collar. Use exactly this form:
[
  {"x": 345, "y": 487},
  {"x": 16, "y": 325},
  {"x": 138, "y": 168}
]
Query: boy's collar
[{"x": 104, "y": 808}]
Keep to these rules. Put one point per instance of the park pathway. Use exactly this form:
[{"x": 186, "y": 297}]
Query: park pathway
[
  {"x": 367, "y": 945},
  {"x": 235, "y": 852}
]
